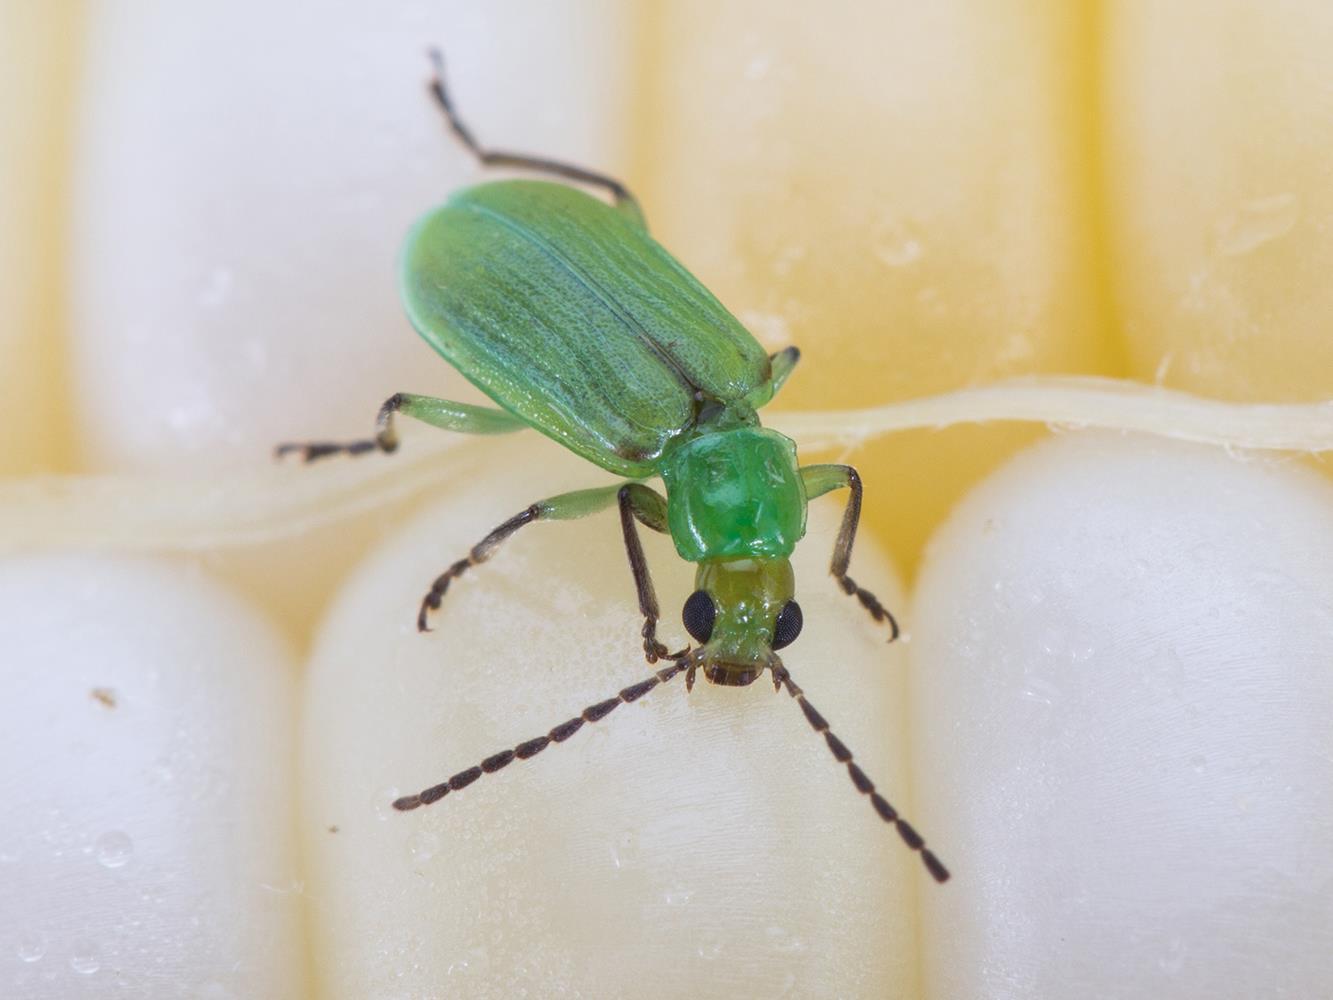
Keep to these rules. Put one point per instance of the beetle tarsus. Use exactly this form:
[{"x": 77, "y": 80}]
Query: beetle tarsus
[
  {"x": 480, "y": 552},
  {"x": 871, "y": 603},
  {"x": 313, "y": 451},
  {"x": 653, "y": 648},
  {"x": 434, "y": 596},
  {"x": 819, "y": 480}
]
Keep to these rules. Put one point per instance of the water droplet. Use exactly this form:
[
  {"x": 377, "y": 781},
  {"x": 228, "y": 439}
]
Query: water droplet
[
  {"x": 476, "y": 963},
  {"x": 625, "y": 850},
  {"x": 677, "y": 897},
  {"x": 114, "y": 849},
  {"x": 213, "y": 990},
  {"x": 709, "y": 951},
  {"x": 1255, "y": 223},
  {"x": 1036, "y": 696},
  {"x": 896, "y": 243},
  {"x": 1053, "y": 642},
  {"x": 423, "y": 845},
  {"x": 30, "y": 948},
  {"x": 1199, "y": 763},
  {"x": 84, "y": 959}
]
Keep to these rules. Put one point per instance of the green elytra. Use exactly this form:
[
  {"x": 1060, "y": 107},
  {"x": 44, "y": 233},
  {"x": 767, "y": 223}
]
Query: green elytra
[{"x": 565, "y": 312}]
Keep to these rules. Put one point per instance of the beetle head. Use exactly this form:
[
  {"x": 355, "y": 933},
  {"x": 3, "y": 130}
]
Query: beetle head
[{"x": 740, "y": 612}]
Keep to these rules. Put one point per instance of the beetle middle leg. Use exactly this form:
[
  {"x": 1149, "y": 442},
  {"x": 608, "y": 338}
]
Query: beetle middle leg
[
  {"x": 821, "y": 479},
  {"x": 637, "y": 502},
  {"x": 443, "y": 413},
  {"x": 624, "y": 201}
]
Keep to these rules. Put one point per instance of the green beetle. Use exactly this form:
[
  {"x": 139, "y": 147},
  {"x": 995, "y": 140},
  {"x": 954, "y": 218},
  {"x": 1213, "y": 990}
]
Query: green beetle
[{"x": 569, "y": 315}]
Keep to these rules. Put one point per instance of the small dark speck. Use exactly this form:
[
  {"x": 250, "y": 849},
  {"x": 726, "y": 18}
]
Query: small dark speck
[
  {"x": 104, "y": 695},
  {"x": 333, "y": 829}
]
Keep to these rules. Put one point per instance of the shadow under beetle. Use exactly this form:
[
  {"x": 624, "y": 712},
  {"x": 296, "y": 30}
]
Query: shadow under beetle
[{"x": 569, "y": 315}]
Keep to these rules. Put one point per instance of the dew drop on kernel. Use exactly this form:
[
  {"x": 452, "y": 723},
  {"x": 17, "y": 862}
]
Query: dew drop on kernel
[
  {"x": 114, "y": 849},
  {"x": 30, "y": 948},
  {"x": 84, "y": 958}
]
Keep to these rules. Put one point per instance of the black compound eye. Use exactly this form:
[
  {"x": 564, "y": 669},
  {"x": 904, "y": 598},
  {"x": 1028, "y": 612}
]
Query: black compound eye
[
  {"x": 788, "y": 625},
  {"x": 699, "y": 615}
]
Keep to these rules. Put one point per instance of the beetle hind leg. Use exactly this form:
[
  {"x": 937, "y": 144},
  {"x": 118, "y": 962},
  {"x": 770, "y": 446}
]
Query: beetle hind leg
[
  {"x": 624, "y": 201},
  {"x": 463, "y": 418}
]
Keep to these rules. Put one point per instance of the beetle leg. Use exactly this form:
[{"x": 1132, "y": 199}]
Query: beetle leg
[
  {"x": 443, "y": 413},
  {"x": 565, "y": 507},
  {"x": 818, "y": 480},
  {"x": 782, "y": 364},
  {"x": 625, "y": 201},
  {"x": 642, "y": 503}
]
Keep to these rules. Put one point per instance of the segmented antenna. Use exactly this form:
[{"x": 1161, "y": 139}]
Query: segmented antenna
[
  {"x": 599, "y": 711},
  {"x": 863, "y": 784},
  {"x": 530, "y": 748}
]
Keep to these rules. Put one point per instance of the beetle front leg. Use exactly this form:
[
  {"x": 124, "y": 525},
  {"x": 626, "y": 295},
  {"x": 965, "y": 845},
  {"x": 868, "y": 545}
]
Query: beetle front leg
[
  {"x": 641, "y": 503},
  {"x": 821, "y": 479},
  {"x": 464, "y": 418}
]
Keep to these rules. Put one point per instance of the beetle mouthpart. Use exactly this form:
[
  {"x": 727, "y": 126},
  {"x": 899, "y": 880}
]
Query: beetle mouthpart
[
  {"x": 721, "y": 670},
  {"x": 732, "y": 674}
]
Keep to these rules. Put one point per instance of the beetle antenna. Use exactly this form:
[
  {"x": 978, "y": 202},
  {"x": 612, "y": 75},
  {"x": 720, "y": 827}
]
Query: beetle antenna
[
  {"x": 530, "y": 748},
  {"x": 863, "y": 784}
]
